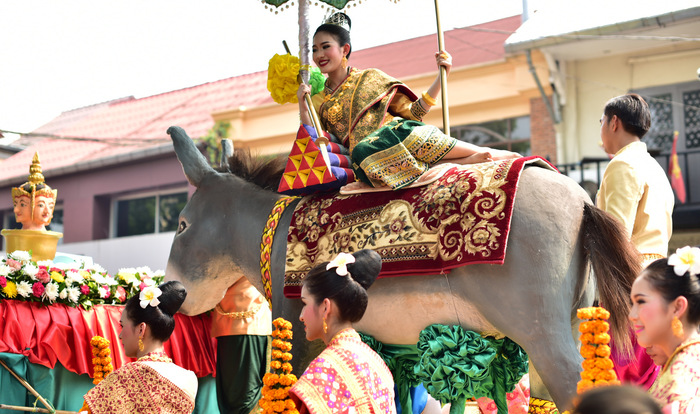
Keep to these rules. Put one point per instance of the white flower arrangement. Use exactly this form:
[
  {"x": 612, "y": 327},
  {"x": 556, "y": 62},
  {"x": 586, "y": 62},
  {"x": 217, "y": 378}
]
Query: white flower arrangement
[{"x": 72, "y": 285}]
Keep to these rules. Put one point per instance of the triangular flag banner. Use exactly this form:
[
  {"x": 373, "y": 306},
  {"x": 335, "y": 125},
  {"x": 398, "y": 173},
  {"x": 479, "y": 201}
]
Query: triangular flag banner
[{"x": 674, "y": 170}]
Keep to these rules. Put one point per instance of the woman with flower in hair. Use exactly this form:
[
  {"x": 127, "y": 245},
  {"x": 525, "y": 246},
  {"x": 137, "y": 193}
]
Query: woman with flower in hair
[
  {"x": 665, "y": 314},
  {"x": 151, "y": 384},
  {"x": 348, "y": 376},
  {"x": 378, "y": 118}
]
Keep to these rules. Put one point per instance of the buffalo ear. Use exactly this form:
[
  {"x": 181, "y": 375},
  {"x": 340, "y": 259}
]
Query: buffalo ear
[{"x": 193, "y": 162}]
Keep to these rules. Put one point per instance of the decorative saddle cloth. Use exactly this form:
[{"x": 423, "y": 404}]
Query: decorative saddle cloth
[{"x": 461, "y": 218}]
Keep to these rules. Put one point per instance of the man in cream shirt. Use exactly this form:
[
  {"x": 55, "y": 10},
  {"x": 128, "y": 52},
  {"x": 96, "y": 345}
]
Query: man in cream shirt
[{"x": 636, "y": 191}]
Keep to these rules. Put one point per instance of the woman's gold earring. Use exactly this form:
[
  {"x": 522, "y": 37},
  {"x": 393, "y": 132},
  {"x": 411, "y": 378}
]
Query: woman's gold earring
[
  {"x": 325, "y": 327},
  {"x": 677, "y": 327},
  {"x": 345, "y": 62},
  {"x": 140, "y": 344}
]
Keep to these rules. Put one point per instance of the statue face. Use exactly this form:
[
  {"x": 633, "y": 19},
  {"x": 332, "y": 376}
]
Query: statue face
[
  {"x": 23, "y": 212},
  {"x": 43, "y": 211}
]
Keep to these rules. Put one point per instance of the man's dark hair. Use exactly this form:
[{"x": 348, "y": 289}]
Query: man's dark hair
[{"x": 632, "y": 110}]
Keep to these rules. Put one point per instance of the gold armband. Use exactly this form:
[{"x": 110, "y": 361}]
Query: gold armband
[{"x": 428, "y": 99}]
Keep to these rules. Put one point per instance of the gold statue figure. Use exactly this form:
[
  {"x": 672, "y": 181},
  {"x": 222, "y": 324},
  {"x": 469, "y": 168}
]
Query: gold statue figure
[{"x": 34, "y": 202}]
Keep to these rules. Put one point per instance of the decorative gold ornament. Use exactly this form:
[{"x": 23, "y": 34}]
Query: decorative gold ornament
[
  {"x": 325, "y": 326},
  {"x": 677, "y": 327},
  {"x": 140, "y": 344}
]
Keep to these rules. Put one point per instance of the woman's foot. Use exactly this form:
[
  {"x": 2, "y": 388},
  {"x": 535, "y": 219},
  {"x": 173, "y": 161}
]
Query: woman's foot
[
  {"x": 499, "y": 155},
  {"x": 475, "y": 158}
]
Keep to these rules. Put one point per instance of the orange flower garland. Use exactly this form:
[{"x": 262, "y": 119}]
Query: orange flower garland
[
  {"x": 101, "y": 361},
  {"x": 597, "y": 365},
  {"x": 276, "y": 384}
]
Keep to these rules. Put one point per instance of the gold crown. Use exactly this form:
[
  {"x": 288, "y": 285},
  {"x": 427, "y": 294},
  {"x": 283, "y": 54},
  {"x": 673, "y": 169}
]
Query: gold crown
[
  {"x": 339, "y": 19},
  {"x": 36, "y": 179}
]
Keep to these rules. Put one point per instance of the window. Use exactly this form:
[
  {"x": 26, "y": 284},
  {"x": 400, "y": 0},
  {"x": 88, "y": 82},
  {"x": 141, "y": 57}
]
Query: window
[
  {"x": 512, "y": 134},
  {"x": 148, "y": 214},
  {"x": 673, "y": 108}
]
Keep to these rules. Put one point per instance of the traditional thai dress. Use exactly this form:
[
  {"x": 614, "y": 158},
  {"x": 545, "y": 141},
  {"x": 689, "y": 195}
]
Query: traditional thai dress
[
  {"x": 678, "y": 384},
  {"x": 348, "y": 376},
  {"x": 636, "y": 191},
  {"x": 148, "y": 386},
  {"x": 378, "y": 118}
]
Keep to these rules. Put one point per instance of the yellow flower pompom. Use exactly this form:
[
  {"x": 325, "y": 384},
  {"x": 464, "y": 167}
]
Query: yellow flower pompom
[{"x": 282, "y": 75}]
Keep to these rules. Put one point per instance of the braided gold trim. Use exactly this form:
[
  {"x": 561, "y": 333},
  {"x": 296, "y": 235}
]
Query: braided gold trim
[
  {"x": 268, "y": 236},
  {"x": 238, "y": 315},
  {"x": 540, "y": 406}
]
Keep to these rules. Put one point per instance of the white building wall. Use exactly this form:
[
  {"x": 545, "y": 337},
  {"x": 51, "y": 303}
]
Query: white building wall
[{"x": 590, "y": 83}]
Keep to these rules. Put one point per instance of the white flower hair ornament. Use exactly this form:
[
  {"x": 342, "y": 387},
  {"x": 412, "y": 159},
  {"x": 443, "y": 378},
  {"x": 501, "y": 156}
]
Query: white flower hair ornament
[
  {"x": 340, "y": 263},
  {"x": 149, "y": 296},
  {"x": 685, "y": 259}
]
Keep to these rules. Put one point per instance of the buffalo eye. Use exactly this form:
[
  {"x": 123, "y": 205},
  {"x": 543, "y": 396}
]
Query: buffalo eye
[{"x": 181, "y": 227}]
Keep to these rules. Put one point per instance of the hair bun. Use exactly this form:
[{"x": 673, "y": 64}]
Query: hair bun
[
  {"x": 173, "y": 296},
  {"x": 366, "y": 268}
]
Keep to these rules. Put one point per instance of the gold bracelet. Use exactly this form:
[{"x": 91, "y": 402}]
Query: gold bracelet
[{"x": 428, "y": 99}]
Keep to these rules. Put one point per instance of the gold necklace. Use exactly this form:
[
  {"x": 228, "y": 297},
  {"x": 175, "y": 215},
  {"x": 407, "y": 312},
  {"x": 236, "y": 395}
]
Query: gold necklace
[{"x": 335, "y": 110}]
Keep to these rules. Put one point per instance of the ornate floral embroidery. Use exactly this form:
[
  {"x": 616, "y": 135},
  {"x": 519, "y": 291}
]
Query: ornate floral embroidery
[{"x": 138, "y": 388}]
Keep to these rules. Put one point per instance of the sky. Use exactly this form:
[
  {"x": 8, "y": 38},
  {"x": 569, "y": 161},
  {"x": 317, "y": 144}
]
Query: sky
[{"x": 62, "y": 55}]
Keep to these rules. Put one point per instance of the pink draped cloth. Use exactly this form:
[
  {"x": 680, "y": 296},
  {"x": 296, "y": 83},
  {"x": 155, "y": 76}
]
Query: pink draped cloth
[{"x": 638, "y": 370}]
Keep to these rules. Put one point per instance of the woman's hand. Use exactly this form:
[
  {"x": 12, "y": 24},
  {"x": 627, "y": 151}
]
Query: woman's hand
[
  {"x": 444, "y": 59},
  {"x": 304, "y": 116},
  {"x": 303, "y": 90}
]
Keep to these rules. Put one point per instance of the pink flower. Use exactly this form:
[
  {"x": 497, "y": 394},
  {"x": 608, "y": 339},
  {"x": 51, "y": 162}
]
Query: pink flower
[
  {"x": 13, "y": 264},
  {"x": 105, "y": 292},
  {"x": 85, "y": 289},
  {"x": 121, "y": 294},
  {"x": 3, "y": 281},
  {"x": 38, "y": 289},
  {"x": 142, "y": 286},
  {"x": 43, "y": 276}
]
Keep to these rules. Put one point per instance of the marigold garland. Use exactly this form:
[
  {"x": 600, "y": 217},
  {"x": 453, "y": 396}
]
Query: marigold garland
[
  {"x": 597, "y": 365},
  {"x": 276, "y": 384},
  {"x": 101, "y": 361}
]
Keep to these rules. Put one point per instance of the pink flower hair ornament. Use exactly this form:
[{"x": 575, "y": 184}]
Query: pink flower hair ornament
[
  {"x": 685, "y": 259},
  {"x": 340, "y": 263}
]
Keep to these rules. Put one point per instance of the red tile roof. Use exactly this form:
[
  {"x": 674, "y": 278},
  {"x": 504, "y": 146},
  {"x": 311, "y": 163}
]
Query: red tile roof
[{"x": 131, "y": 125}]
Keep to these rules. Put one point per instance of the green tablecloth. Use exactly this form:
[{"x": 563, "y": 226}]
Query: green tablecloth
[{"x": 65, "y": 389}]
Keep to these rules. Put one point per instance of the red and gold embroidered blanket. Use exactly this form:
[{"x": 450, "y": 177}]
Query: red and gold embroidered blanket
[{"x": 461, "y": 218}]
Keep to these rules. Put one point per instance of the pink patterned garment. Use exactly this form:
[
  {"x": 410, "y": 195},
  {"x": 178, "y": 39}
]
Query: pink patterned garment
[
  {"x": 677, "y": 388},
  {"x": 348, "y": 376}
]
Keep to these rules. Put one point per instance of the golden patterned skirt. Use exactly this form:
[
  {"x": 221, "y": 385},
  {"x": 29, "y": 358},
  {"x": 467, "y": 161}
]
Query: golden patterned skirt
[{"x": 398, "y": 153}]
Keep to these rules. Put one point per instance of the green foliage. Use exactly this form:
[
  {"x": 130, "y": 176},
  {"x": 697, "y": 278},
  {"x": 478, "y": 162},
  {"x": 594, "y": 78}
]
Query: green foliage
[{"x": 212, "y": 141}]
